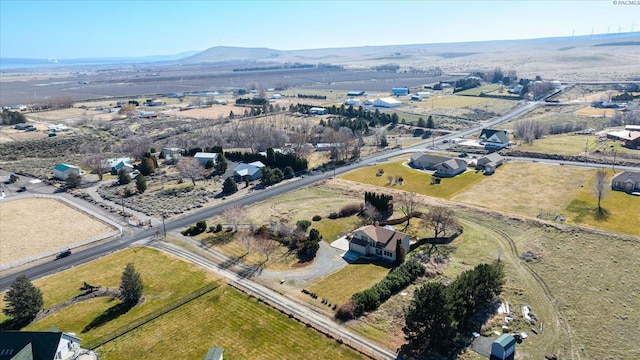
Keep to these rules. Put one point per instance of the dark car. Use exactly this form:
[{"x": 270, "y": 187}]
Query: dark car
[
  {"x": 63, "y": 254},
  {"x": 22, "y": 189}
]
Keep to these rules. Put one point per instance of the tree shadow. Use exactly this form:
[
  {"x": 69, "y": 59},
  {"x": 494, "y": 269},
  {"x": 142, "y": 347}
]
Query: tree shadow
[
  {"x": 12, "y": 324},
  {"x": 601, "y": 214},
  {"x": 111, "y": 314}
]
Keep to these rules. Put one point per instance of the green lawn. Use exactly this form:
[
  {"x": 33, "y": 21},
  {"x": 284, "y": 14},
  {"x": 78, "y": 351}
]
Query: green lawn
[
  {"x": 339, "y": 286},
  {"x": 621, "y": 209},
  {"x": 481, "y": 89},
  {"x": 414, "y": 180},
  {"x": 243, "y": 326},
  {"x": 331, "y": 229},
  {"x": 162, "y": 284}
]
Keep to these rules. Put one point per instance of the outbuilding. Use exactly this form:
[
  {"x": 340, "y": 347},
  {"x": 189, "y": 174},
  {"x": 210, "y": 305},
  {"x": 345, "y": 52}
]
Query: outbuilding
[
  {"x": 62, "y": 171},
  {"x": 504, "y": 347},
  {"x": 386, "y": 102},
  {"x": 318, "y": 111},
  {"x": 400, "y": 91},
  {"x": 204, "y": 157}
]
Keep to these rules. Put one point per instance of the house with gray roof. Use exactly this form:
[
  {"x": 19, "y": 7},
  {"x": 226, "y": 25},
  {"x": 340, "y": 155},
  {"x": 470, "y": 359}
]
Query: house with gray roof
[
  {"x": 443, "y": 166},
  {"x": 378, "y": 241},
  {"x": 250, "y": 171},
  {"x": 489, "y": 163},
  {"x": 628, "y": 181},
  {"x": 494, "y": 139}
]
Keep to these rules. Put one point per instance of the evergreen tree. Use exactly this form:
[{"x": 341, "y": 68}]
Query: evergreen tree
[
  {"x": 430, "y": 123},
  {"x": 288, "y": 172},
  {"x": 131, "y": 286},
  {"x": 209, "y": 164},
  {"x": 428, "y": 322},
  {"x": 421, "y": 122},
  {"x": 221, "y": 164},
  {"x": 229, "y": 186},
  {"x": 123, "y": 177},
  {"x": 141, "y": 183},
  {"x": 23, "y": 300}
]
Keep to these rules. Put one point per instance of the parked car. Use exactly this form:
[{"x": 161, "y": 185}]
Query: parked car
[
  {"x": 22, "y": 189},
  {"x": 63, "y": 254}
]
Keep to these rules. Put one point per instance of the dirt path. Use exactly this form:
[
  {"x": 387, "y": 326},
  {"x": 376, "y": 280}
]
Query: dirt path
[{"x": 555, "y": 326}]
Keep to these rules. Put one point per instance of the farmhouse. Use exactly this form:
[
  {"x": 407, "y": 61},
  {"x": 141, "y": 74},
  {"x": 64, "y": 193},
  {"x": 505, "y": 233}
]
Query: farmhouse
[
  {"x": 627, "y": 181},
  {"x": 318, "y": 111},
  {"x": 450, "y": 168},
  {"x": 250, "y": 171},
  {"x": 400, "y": 91},
  {"x": 503, "y": 347},
  {"x": 62, "y": 171},
  {"x": 496, "y": 139},
  {"x": 171, "y": 153},
  {"x": 489, "y": 163},
  {"x": 378, "y": 241},
  {"x": 49, "y": 345},
  {"x": 426, "y": 162},
  {"x": 386, "y": 102},
  {"x": 114, "y": 165},
  {"x": 204, "y": 157}
]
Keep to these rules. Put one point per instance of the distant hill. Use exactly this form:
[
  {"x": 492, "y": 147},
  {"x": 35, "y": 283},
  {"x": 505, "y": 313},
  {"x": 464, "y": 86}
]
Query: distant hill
[{"x": 418, "y": 52}]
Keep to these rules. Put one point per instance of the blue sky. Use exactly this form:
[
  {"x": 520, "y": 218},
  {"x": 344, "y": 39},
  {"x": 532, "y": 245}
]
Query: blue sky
[{"x": 84, "y": 29}]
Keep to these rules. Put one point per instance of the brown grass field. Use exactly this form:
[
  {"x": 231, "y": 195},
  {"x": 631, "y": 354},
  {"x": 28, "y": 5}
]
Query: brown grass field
[
  {"x": 527, "y": 188},
  {"x": 24, "y": 221}
]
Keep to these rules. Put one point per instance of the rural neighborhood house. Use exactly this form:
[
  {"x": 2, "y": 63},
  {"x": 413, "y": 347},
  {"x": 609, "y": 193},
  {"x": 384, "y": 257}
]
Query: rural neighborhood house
[{"x": 378, "y": 241}]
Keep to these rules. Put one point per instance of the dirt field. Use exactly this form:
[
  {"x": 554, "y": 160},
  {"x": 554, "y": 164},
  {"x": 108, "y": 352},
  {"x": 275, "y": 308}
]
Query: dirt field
[{"x": 23, "y": 222}]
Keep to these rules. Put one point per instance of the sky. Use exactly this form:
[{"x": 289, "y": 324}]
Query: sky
[{"x": 99, "y": 28}]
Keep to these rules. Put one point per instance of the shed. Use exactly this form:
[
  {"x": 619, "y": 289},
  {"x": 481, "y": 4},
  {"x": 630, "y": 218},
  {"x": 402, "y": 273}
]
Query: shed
[
  {"x": 400, "y": 91},
  {"x": 318, "y": 111},
  {"x": 204, "y": 157},
  {"x": 504, "y": 347},
  {"x": 62, "y": 171}
]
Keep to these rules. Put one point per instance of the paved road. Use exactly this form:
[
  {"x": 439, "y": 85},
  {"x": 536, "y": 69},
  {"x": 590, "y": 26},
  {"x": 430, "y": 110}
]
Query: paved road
[{"x": 300, "y": 311}]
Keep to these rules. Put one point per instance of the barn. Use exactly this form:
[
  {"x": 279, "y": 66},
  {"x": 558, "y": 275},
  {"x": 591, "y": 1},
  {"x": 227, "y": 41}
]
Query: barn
[
  {"x": 400, "y": 91},
  {"x": 386, "y": 102}
]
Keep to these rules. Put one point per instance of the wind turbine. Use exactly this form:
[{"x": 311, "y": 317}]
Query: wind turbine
[
  {"x": 633, "y": 25},
  {"x": 608, "y": 28}
]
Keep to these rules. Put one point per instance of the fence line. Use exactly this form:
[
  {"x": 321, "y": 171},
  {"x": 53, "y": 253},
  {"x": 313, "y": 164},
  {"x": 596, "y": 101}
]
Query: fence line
[{"x": 108, "y": 337}]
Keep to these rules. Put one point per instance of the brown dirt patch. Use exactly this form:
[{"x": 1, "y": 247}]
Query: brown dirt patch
[{"x": 32, "y": 226}]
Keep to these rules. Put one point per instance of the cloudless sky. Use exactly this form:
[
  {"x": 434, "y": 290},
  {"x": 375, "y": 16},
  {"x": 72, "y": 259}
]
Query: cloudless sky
[{"x": 118, "y": 28}]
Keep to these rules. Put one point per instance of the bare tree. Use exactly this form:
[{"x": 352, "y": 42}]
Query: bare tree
[
  {"x": 190, "y": 168},
  {"x": 235, "y": 214},
  {"x": 245, "y": 238},
  {"x": 440, "y": 218},
  {"x": 266, "y": 245},
  {"x": 600, "y": 188},
  {"x": 137, "y": 146},
  {"x": 408, "y": 202},
  {"x": 97, "y": 163},
  {"x": 128, "y": 109}
]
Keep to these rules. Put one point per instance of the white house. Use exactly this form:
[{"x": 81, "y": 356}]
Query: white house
[
  {"x": 115, "y": 164},
  {"x": 204, "y": 157},
  {"x": 62, "y": 171},
  {"x": 378, "y": 241},
  {"x": 386, "y": 102},
  {"x": 250, "y": 171},
  {"x": 352, "y": 102}
]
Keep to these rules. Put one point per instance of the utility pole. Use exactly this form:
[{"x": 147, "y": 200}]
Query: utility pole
[
  {"x": 614, "y": 159},
  {"x": 123, "y": 217},
  {"x": 164, "y": 228},
  {"x": 586, "y": 148}
]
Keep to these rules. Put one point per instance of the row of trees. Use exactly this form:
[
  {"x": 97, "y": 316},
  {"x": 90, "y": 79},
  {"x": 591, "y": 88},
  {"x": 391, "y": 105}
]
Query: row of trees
[
  {"x": 438, "y": 315},
  {"x": 381, "y": 202},
  {"x": 23, "y": 300},
  {"x": 9, "y": 117},
  {"x": 273, "y": 159},
  {"x": 371, "y": 298}
]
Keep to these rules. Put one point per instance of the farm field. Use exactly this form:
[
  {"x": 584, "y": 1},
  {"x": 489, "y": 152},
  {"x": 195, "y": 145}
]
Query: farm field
[
  {"x": 568, "y": 144},
  {"x": 19, "y": 237},
  {"x": 244, "y": 327},
  {"x": 338, "y": 287},
  {"x": 414, "y": 180},
  {"x": 527, "y": 188}
]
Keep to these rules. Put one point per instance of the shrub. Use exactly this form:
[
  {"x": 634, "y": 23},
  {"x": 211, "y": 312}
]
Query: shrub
[
  {"x": 333, "y": 215},
  {"x": 346, "y": 311},
  {"x": 303, "y": 225},
  {"x": 316, "y": 217},
  {"x": 218, "y": 227},
  {"x": 350, "y": 209},
  {"x": 201, "y": 226}
]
